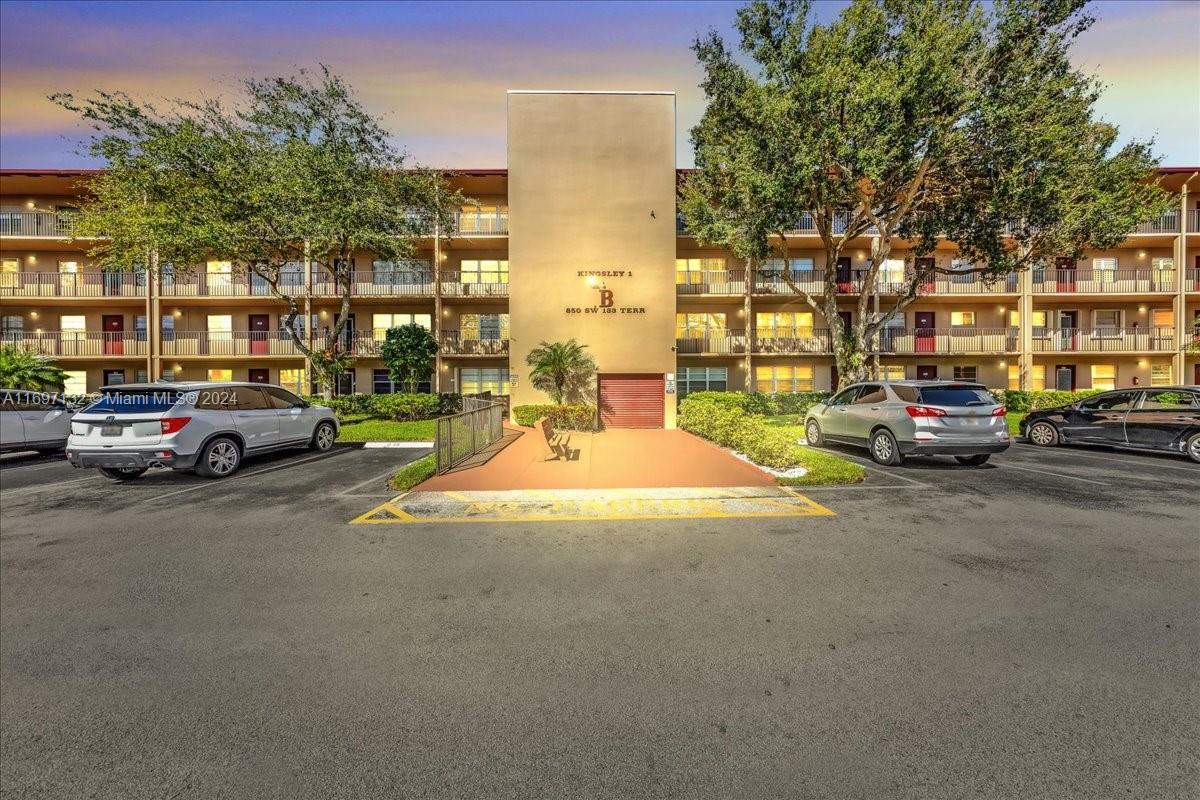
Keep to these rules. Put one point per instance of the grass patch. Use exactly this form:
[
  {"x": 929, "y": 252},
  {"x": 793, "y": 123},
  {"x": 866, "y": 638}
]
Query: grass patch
[
  {"x": 785, "y": 421},
  {"x": 824, "y": 469},
  {"x": 1014, "y": 422},
  {"x": 413, "y": 473},
  {"x": 386, "y": 430}
]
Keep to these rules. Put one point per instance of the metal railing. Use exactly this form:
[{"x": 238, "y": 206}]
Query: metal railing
[
  {"x": 1193, "y": 220},
  {"x": 228, "y": 343},
  {"x": 727, "y": 343},
  {"x": 1102, "y": 281},
  {"x": 916, "y": 341},
  {"x": 90, "y": 283},
  {"x": 1193, "y": 281},
  {"x": 1167, "y": 223},
  {"x": 725, "y": 282},
  {"x": 376, "y": 284},
  {"x": 70, "y": 344},
  {"x": 455, "y": 344},
  {"x": 453, "y": 285},
  {"x": 49, "y": 224},
  {"x": 793, "y": 340},
  {"x": 489, "y": 223},
  {"x": 1104, "y": 340},
  {"x": 459, "y": 436}
]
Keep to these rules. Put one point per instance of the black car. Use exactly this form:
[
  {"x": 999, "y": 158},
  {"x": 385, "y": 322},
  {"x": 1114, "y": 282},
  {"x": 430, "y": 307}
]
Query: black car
[{"x": 1165, "y": 419}]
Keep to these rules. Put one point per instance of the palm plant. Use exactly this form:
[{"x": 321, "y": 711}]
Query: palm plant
[
  {"x": 561, "y": 369},
  {"x": 25, "y": 369}
]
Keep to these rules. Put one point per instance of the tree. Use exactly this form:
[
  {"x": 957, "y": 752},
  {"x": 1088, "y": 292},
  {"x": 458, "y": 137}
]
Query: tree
[
  {"x": 561, "y": 369},
  {"x": 406, "y": 351},
  {"x": 297, "y": 172},
  {"x": 25, "y": 369},
  {"x": 909, "y": 122}
]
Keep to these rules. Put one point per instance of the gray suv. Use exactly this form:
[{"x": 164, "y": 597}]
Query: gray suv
[
  {"x": 894, "y": 419},
  {"x": 206, "y": 427}
]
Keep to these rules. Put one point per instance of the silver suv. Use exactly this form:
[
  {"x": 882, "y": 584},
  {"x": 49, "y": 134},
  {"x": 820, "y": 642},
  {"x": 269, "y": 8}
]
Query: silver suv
[
  {"x": 206, "y": 427},
  {"x": 894, "y": 419},
  {"x": 31, "y": 420}
]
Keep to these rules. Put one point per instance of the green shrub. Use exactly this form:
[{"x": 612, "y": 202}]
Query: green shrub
[
  {"x": 1032, "y": 400},
  {"x": 343, "y": 405},
  {"x": 449, "y": 403},
  {"x": 793, "y": 402},
  {"x": 403, "y": 406},
  {"x": 725, "y": 422},
  {"x": 567, "y": 417},
  {"x": 761, "y": 403}
]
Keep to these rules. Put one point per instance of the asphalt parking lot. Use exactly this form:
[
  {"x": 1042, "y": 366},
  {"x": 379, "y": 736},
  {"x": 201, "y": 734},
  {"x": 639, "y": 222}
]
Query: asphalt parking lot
[{"x": 1027, "y": 629}]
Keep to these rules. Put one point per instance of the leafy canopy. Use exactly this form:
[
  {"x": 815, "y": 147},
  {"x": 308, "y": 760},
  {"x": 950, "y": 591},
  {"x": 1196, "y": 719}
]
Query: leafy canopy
[
  {"x": 21, "y": 368},
  {"x": 406, "y": 352},
  {"x": 561, "y": 369}
]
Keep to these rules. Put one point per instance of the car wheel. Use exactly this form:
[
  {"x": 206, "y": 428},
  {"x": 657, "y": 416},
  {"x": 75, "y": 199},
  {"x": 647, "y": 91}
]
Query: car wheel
[
  {"x": 323, "y": 437},
  {"x": 885, "y": 450},
  {"x": 977, "y": 460},
  {"x": 812, "y": 432},
  {"x": 1043, "y": 434},
  {"x": 1193, "y": 447},
  {"x": 122, "y": 474},
  {"x": 219, "y": 458}
]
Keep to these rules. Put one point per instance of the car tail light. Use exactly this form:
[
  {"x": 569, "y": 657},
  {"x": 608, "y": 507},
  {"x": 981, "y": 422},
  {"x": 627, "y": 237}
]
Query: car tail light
[
  {"x": 174, "y": 424},
  {"x": 924, "y": 411},
  {"x": 1000, "y": 411}
]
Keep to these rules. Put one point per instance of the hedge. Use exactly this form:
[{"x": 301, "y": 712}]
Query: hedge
[
  {"x": 405, "y": 406},
  {"x": 565, "y": 417},
  {"x": 385, "y": 405},
  {"x": 718, "y": 417},
  {"x": 767, "y": 404},
  {"x": 1021, "y": 400}
]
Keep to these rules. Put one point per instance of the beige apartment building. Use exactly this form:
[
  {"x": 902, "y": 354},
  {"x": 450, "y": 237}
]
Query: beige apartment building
[{"x": 579, "y": 237}]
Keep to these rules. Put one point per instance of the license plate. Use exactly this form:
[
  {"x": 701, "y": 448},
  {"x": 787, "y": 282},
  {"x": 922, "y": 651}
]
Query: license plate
[
  {"x": 111, "y": 430},
  {"x": 970, "y": 421}
]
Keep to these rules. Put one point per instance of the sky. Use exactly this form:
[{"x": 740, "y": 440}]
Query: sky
[{"x": 436, "y": 73}]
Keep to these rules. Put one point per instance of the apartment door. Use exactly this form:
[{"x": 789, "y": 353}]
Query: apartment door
[
  {"x": 843, "y": 274},
  {"x": 1065, "y": 270},
  {"x": 1064, "y": 377},
  {"x": 1068, "y": 329},
  {"x": 260, "y": 376},
  {"x": 833, "y": 378},
  {"x": 927, "y": 372},
  {"x": 925, "y": 323},
  {"x": 113, "y": 327},
  {"x": 260, "y": 332},
  {"x": 348, "y": 334},
  {"x": 631, "y": 401}
]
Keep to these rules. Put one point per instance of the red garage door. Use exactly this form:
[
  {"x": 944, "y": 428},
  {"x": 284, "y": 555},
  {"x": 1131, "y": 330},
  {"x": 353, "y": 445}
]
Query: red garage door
[{"x": 631, "y": 401}]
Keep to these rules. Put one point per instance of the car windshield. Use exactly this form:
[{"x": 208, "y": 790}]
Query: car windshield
[
  {"x": 956, "y": 396},
  {"x": 134, "y": 401}
]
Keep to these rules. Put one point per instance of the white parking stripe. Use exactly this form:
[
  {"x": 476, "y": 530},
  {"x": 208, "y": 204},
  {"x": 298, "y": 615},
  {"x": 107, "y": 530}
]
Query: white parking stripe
[
  {"x": 1137, "y": 463},
  {"x": 369, "y": 481},
  {"x": 237, "y": 475},
  {"x": 1007, "y": 465}
]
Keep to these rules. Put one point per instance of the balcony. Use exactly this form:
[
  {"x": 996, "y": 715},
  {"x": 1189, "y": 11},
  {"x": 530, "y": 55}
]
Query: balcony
[
  {"x": 1193, "y": 220},
  {"x": 714, "y": 344},
  {"x": 37, "y": 224},
  {"x": 948, "y": 341},
  {"x": 91, "y": 283},
  {"x": 1193, "y": 281},
  {"x": 795, "y": 341},
  {"x": 722, "y": 282},
  {"x": 181, "y": 344},
  {"x": 807, "y": 224},
  {"x": 1102, "y": 281},
  {"x": 1105, "y": 340},
  {"x": 453, "y": 343},
  {"x": 81, "y": 344},
  {"x": 1167, "y": 223},
  {"x": 966, "y": 284},
  {"x": 377, "y": 284},
  {"x": 481, "y": 223},
  {"x": 453, "y": 285}
]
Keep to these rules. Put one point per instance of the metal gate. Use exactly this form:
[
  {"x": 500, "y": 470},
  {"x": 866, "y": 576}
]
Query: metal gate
[{"x": 462, "y": 435}]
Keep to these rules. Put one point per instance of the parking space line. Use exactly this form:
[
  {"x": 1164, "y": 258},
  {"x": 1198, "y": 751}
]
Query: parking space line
[
  {"x": 274, "y": 468},
  {"x": 1007, "y": 465},
  {"x": 368, "y": 481},
  {"x": 1107, "y": 459}
]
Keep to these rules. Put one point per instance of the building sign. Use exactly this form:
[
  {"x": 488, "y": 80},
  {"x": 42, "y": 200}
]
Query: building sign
[{"x": 605, "y": 300}]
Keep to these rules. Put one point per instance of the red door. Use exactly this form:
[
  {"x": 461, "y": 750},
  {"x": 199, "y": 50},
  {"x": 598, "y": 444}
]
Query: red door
[
  {"x": 260, "y": 376},
  {"x": 924, "y": 322},
  {"x": 631, "y": 401},
  {"x": 927, "y": 372},
  {"x": 1065, "y": 270},
  {"x": 259, "y": 331},
  {"x": 113, "y": 331},
  {"x": 843, "y": 274}
]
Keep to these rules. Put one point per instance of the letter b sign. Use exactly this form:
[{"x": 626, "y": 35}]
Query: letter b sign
[{"x": 606, "y": 298}]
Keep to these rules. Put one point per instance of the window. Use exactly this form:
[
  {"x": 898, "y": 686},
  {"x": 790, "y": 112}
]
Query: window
[
  {"x": 292, "y": 379},
  {"x": 784, "y": 378},
  {"x": 219, "y": 274},
  {"x": 960, "y": 396},
  {"x": 168, "y": 327},
  {"x": 966, "y": 373},
  {"x": 871, "y": 393},
  {"x": 891, "y": 372},
  {"x": 381, "y": 322},
  {"x": 1162, "y": 264},
  {"x": 73, "y": 327},
  {"x": 168, "y": 375},
  {"x": 220, "y": 375},
  {"x": 1171, "y": 400},
  {"x": 220, "y": 327},
  {"x": 781, "y": 324},
  {"x": 691, "y": 270},
  {"x": 699, "y": 325},
  {"x": 1118, "y": 401},
  {"x": 141, "y": 376},
  {"x": 381, "y": 383},
  {"x": 476, "y": 380},
  {"x": 9, "y": 267},
  {"x": 1104, "y": 376},
  {"x": 1105, "y": 269},
  {"x": 75, "y": 383},
  {"x": 12, "y": 326},
  {"x": 401, "y": 273},
  {"x": 1108, "y": 319},
  {"x": 240, "y": 398},
  {"x": 962, "y": 271},
  {"x": 775, "y": 266},
  {"x": 297, "y": 325},
  {"x": 1162, "y": 318},
  {"x": 1038, "y": 318},
  {"x": 278, "y": 398},
  {"x": 1037, "y": 376},
  {"x": 1160, "y": 374},
  {"x": 482, "y": 219},
  {"x": 484, "y": 327},
  {"x": 845, "y": 396},
  {"x": 909, "y": 394},
  {"x": 892, "y": 271},
  {"x": 488, "y": 271},
  {"x": 702, "y": 379},
  {"x": 959, "y": 319},
  {"x": 139, "y": 327}
]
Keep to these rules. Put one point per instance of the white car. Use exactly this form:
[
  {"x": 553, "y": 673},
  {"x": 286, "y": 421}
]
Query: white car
[{"x": 32, "y": 420}]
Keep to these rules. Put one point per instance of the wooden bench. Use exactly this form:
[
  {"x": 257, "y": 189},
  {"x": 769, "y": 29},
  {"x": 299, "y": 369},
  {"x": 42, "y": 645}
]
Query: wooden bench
[{"x": 558, "y": 445}]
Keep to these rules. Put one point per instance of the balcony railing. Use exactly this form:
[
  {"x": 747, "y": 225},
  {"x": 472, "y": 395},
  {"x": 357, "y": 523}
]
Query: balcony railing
[
  {"x": 453, "y": 285},
  {"x": 725, "y": 282},
  {"x": 1167, "y": 223},
  {"x": 1100, "y": 281},
  {"x": 490, "y": 223},
  {"x": 377, "y": 284},
  {"x": 716, "y": 343},
  {"x": 806, "y": 224},
  {"x": 70, "y": 344},
  {"x": 785, "y": 341},
  {"x": 948, "y": 341},
  {"x": 1193, "y": 281},
  {"x": 48, "y": 224},
  {"x": 967, "y": 284},
  {"x": 1104, "y": 340},
  {"x": 1193, "y": 220},
  {"x": 91, "y": 283},
  {"x": 228, "y": 343},
  {"x": 453, "y": 343}
]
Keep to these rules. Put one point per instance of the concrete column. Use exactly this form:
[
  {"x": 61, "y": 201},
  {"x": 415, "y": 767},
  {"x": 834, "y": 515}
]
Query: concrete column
[
  {"x": 153, "y": 319},
  {"x": 438, "y": 361},
  {"x": 748, "y": 310},
  {"x": 1178, "y": 360},
  {"x": 1025, "y": 320}
]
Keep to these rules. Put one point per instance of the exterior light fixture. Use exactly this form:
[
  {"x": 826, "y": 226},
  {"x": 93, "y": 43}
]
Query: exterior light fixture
[
  {"x": 33, "y": 315},
  {"x": 1141, "y": 253},
  {"x": 32, "y": 259},
  {"x": 591, "y": 281},
  {"x": 30, "y": 204}
]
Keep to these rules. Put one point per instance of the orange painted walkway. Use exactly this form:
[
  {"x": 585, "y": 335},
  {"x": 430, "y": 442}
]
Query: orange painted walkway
[{"x": 613, "y": 459}]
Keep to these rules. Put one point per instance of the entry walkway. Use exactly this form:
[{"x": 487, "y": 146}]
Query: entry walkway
[{"x": 613, "y": 459}]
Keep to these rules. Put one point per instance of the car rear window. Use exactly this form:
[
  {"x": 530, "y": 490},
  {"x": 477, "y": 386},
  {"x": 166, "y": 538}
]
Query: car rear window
[
  {"x": 956, "y": 396},
  {"x": 134, "y": 401}
]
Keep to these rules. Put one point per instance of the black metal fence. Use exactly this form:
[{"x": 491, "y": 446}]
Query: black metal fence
[{"x": 462, "y": 435}]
